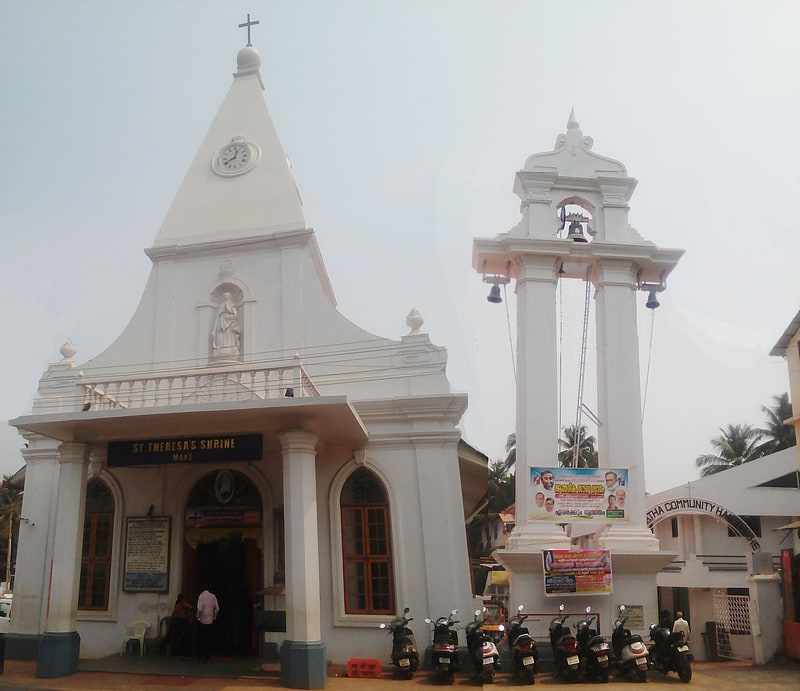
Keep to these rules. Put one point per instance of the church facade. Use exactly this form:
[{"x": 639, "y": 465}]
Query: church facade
[{"x": 242, "y": 434}]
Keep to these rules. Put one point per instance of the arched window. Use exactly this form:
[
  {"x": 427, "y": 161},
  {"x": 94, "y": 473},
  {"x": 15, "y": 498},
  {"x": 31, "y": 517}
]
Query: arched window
[
  {"x": 98, "y": 526},
  {"x": 366, "y": 546}
]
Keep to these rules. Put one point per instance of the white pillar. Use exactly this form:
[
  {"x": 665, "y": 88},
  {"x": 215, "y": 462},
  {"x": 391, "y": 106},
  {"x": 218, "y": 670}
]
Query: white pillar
[
  {"x": 302, "y": 548},
  {"x": 66, "y": 567},
  {"x": 35, "y": 537},
  {"x": 619, "y": 400},
  {"x": 537, "y": 381}
]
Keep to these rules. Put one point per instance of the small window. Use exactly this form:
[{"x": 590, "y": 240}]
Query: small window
[
  {"x": 674, "y": 523},
  {"x": 98, "y": 526}
]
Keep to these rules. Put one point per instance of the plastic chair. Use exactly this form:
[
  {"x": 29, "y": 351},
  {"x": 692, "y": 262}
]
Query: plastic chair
[{"x": 135, "y": 631}]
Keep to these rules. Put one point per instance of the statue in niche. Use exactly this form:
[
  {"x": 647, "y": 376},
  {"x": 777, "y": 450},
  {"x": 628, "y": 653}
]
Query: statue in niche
[{"x": 225, "y": 334}]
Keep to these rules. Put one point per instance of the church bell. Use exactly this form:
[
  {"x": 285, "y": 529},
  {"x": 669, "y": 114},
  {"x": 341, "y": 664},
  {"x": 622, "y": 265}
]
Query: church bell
[
  {"x": 494, "y": 294},
  {"x": 575, "y": 232},
  {"x": 652, "y": 300}
]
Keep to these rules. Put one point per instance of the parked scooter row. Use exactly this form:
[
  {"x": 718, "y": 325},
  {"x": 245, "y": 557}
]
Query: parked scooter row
[{"x": 586, "y": 654}]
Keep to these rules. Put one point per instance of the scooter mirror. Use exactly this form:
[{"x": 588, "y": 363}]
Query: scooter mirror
[
  {"x": 520, "y": 608},
  {"x": 561, "y": 608},
  {"x": 588, "y": 609},
  {"x": 477, "y": 612},
  {"x": 622, "y": 609},
  {"x": 454, "y": 612},
  {"x": 382, "y": 626},
  {"x": 428, "y": 621},
  {"x": 501, "y": 628},
  {"x": 406, "y": 610}
]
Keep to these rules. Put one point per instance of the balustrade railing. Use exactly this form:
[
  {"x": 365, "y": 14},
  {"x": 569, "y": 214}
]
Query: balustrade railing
[{"x": 212, "y": 384}]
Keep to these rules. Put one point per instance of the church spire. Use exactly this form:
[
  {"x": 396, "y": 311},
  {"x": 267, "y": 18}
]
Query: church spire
[{"x": 240, "y": 184}]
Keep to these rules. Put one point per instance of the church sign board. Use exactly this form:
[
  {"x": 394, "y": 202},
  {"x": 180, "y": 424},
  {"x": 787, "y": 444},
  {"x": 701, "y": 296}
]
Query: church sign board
[
  {"x": 574, "y": 495},
  {"x": 147, "y": 554},
  {"x": 221, "y": 448}
]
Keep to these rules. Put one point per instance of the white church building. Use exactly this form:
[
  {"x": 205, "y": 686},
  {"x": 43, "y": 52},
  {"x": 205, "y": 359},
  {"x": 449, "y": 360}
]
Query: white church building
[{"x": 241, "y": 433}]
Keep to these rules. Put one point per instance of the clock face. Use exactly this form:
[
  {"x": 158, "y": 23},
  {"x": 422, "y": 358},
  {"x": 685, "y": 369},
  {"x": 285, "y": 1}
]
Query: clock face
[{"x": 234, "y": 159}]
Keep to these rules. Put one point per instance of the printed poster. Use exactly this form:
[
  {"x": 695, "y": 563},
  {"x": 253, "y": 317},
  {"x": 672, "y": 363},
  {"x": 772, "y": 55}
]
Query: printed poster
[
  {"x": 572, "y": 495},
  {"x": 577, "y": 572}
]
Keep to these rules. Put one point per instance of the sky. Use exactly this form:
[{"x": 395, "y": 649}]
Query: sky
[{"x": 405, "y": 122}]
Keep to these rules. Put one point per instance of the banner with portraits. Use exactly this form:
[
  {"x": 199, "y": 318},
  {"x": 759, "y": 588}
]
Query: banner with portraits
[
  {"x": 573, "y": 495},
  {"x": 577, "y": 572}
]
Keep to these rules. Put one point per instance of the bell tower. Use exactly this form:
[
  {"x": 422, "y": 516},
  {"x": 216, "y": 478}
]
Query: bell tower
[{"x": 574, "y": 226}]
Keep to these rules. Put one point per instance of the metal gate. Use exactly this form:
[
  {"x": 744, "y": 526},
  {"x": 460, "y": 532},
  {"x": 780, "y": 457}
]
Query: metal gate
[{"x": 734, "y": 635}]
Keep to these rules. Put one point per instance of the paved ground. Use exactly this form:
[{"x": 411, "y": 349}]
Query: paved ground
[{"x": 212, "y": 677}]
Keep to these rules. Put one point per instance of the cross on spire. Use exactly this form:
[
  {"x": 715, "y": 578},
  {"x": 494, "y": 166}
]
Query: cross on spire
[{"x": 248, "y": 24}]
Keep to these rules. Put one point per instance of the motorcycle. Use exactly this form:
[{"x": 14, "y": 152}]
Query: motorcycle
[
  {"x": 565, "y": 648},
  {"x": 405, "y": 656},
  {"x": 630, "y": 652},
  {"x": 522, "y": 648},
  {"x": 445, "y": 647},
  {"x": 482, "y": 649},
  {"x": 594, "y": 649},
  {"x": 669, "y": 652}
]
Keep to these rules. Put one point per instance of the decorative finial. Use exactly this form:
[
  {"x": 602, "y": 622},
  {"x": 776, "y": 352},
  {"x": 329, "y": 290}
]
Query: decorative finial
[
  {"x": 572, "y": 123},
  {"x": 68, "y": 350},
  {"x": 248, "y": 24},
  {"x": 414, "y": 321}
]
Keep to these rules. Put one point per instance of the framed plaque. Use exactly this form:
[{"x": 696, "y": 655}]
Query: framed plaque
[{"x": 147, "y": 542}]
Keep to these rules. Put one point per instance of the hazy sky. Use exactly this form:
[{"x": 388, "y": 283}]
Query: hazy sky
[{"x": 405, "y": 122}]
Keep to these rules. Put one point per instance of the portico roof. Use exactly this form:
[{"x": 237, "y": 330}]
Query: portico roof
[{"x": 332, "y": 418}]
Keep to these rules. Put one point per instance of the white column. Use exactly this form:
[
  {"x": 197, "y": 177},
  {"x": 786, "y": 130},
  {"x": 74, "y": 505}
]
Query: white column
[
  {"x": 35, "y": 535},
  {"x": 618, "y": 382},
  {"x": 537, "y": 378},
  {"x": 71, "y": 502},
  {"x": 302, "y": 549}
]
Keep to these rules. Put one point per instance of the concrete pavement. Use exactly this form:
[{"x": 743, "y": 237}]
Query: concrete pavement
[{"x": 706, "y": 676}]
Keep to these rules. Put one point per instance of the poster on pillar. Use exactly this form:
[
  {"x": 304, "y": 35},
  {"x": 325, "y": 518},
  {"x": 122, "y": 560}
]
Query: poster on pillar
[
  {"x": 576, "y": 495},
  {"x": 577, "y": 572}
]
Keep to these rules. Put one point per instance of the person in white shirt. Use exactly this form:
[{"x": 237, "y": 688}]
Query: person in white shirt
[
  {"x": 680, "y": 624},
  {"x": 207, "y": 611}
]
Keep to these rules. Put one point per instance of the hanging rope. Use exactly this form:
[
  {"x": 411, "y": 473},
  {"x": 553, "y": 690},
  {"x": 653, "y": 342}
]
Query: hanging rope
[
  {"x": 581, "y": 372},
  {"x": 510, "y": 339},
  {"x": 649, "y": 358}
]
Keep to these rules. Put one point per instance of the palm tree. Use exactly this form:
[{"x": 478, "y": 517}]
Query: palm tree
[
  {"x": 501, "y": 487},
  {"x": 736, "y": 445},
  {"x": 511, "y": 450},
  {"x": 10, "y": 509},
  {"x": 777, "y": 435},
  {"x": 587, "y": 453}
]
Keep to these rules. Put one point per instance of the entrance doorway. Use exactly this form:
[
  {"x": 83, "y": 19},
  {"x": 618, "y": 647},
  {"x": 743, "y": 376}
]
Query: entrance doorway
[{"x": 223, "y": 551}]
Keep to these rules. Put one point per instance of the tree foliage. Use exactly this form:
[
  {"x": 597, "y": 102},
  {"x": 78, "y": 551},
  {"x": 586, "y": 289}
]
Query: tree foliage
[
  {"x": 10, "y": 510},
  {"x": 777, "y": 435},
  {"x": 739, "y": 444},
  {"x": 501, "y": 487},
  {"x": 736, "y": 445},
  {"x": 587, "y": 453}
]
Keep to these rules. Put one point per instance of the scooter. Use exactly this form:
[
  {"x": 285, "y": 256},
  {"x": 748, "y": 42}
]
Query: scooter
[
  {"x": 565, "y": 648},
  {"x": 445, "y": 647},
  {"x": 670, "y": 653},
  {"x": 405, "y": 656},
  {"x": 630, "y": 652},
  {"x": 594, "y": 649},
  {"x": 482, "y": 649},
  {"x": 521, "y": 646}
]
